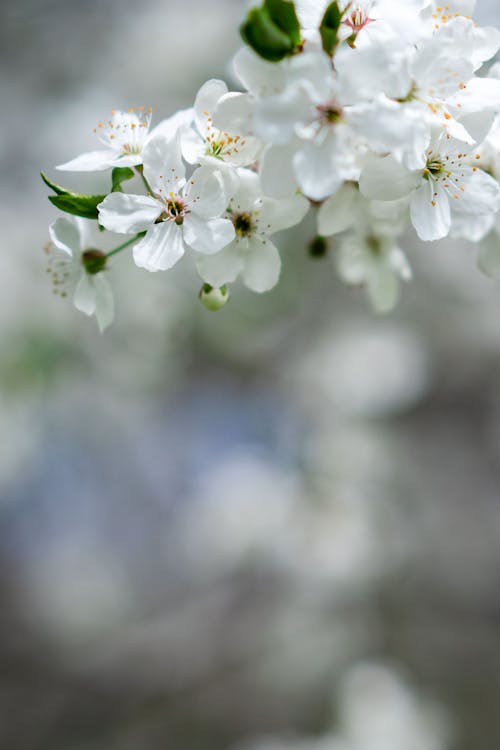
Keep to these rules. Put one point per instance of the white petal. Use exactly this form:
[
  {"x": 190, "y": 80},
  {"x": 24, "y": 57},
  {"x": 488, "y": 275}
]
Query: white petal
[
  {"x": 481, "y": 193},
  {"x": 206, "y": 101},
  {"x": 222, "y": 267},
  {"x": 383, "y": 288},
  {"x": 192, "y": 146},
  {"x": 128, "y": 214},
  {"x": 276, "y": 171},
  {"x": 257, "y": 75},
  {"x": 339, "y": 212},
  {"x": 65, "y": 235},
  {"x": 249, "y": 190},
  {"x": 85, "y": 295},
  {"x": 316, "y": 171},
  {"x": 162, "y": 159},
  {"x": 275, "y": 215},
  {"x": 275, "y": 117},
  {"x": 93, "y": 161},
  {"x": 161, "y": 248},
  {"x": 430, "y": 211},
  {"x": 105, "y": 310},
  {"x": 384, "y": 179},
  {"x": 262, "y": 265},
  {"x": 207, "y": 189},
  {"x": 234, "y": 113},
  {"x": 169, "y": 127},
  {"x": 207, "y": 236},
  {"x": 489, "y": 256}
]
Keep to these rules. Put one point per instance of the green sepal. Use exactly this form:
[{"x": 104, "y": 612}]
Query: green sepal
[
  {"x": 73, "y": 203},
  {"x": 272, "y": 30},
  {"x": 78, "y": 205},
  {"x": 329, "y": 28},
  {"x": 284, "y": 15},
  {"x": 52, "y": 185},
  {"x": 119, "y": 175}
]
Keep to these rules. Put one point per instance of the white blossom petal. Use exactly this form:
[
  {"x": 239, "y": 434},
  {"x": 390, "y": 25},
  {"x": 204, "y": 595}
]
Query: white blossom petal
[
  {"x": 128, "y": 214},
  {"x": 223, "y": 267},
  {"x": 385, "y": 179},
  {"x": 207, "y": 190},
  {"x": 207, "y": 236},
  {"x": 65, "y": 235},
  {"x": 339, "y": 212},
  {"x": 160, "y": 248},
  {"x": 262, "y": 265},
  {"x": 430, "y": 211},
  {"x": 85, "y": 295},
  {"x": 92, "y": 161},
  {"x": 105, "y": 309},
  {"x": 276, "y": 215}
]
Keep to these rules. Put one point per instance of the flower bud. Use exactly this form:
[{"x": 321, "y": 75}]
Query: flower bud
[{"x": 214, "y": 298}]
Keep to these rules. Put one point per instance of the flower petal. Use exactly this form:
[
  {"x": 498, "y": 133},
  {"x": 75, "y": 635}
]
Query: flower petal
[
  {"x": 262, "y": 265},
  {"x": 340, "y": 211},
  {"x": 206, "y": 101},
  {"x": 161, "y": 248},
  {"x": 105, "y": 309},
  {"x": 276, "y": 215},
  {"x": 207, "y": 189},
  {"x": 385, "y": 179},
  {"x": 207, "y": 236},
  {"x": 162, "y": 159},
  {"x": 65, "y": 235},
  {"x": 128, "y": 214},
  {"x": 430, "y": 211},
  {"x": 92, "y": 161},
  {"x": 85, "y": 295},
  {"x": 276, "y": 171},
  {"x": 222, "y": 267}
]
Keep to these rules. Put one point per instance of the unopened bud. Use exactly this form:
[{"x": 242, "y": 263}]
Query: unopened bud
[
  {"x": 214, "y": 298},
  {"x": 318, "y": 247}
]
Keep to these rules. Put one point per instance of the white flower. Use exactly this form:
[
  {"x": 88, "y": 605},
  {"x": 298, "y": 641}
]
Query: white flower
[
  {"x": 124, "y": 137},
  {"x": 206, "y": 143},
  {"x": 74, "y": 264},
  {"x": 448, "y": 187},
  {"x": 252, "y": 254},
  {"x": 178, "y": 212},
  {"x": 367, "y": 254}
]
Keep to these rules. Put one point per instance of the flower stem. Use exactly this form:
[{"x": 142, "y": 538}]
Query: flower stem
[
  {"x": 125, "y": 244},
  {"x": 140, "y": 171}
]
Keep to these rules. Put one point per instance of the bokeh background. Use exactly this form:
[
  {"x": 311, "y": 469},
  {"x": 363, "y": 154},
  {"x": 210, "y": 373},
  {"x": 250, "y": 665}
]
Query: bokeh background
[{"x": 276, "y": 527}]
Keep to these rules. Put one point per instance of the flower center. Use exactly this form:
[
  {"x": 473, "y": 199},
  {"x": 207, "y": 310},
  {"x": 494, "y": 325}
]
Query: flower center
[
  {"x": 243, "y": 224},
  {"x": 94, "y": 261},
  {"x": 175, "y": 209},
  {"x": 434, "y": 168},
  {"x": 357, "y": 20},
  {"x": 126, "y": 131},
  {"x": 220, "y": 144},
  {"x": 330, "y": 113}
]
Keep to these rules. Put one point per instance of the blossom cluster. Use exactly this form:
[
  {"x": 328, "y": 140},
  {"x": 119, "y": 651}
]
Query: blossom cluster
[{"x": 373, "y": 115}]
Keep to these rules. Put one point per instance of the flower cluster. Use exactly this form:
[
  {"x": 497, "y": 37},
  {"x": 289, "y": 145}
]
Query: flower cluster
[{"x": 373, "y": 114}]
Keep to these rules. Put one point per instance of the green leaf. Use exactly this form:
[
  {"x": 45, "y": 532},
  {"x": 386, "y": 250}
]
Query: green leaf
[
  {"x": 78, "y": 205},
  {"x": 329, "y": 28},
  {"x": 119, "y": 175},
  {"x": 283, "y": 14},
  {"x": 265, "y": 37},
  {"x": 52, "y": 185},
  {"x": 74, "y": 203}
]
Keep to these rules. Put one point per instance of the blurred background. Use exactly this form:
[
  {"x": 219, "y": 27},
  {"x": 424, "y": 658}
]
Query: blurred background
[{"x": 275, "y": 527}]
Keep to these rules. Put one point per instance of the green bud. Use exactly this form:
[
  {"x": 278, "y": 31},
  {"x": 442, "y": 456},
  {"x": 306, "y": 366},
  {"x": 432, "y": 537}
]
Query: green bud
[
  {"x": 329, "y": 28},
  {"x": 94, "y": 261},
  {"x": 318, "y": 247},
  {"x": 212, "y": 298},
  {"x": 272, "y": 30}
]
